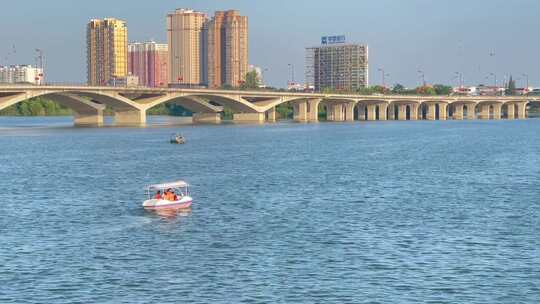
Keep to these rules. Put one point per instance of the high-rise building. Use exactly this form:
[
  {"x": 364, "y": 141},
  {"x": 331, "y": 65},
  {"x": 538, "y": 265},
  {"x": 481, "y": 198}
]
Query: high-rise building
[
  {"x": 337, "y": 66},
  {"x": 187, "y": 47},
  {"x": 227, "y": 49},
  {"x": 148, "y": 61},
  {"x": 21, "y": 74},
  {"x": 106, "y": 51}
]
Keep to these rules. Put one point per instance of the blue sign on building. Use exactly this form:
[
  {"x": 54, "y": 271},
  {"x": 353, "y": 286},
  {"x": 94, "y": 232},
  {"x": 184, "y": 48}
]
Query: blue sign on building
[{"x": 332, "y": 39}]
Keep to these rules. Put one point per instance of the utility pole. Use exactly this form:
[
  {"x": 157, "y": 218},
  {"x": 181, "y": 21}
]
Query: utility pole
[
  {"x": 494, "y": 79},
  {"x": 423, "y": 76},
  {"x": 383, "y": 76},
  {"x": 262, "y": 76},
  {"x": 292, "y": 72},
  {"x": 494, "y": 82},
  {"x": 460, "y": 79},
  {"x": 527, "y": 87}
]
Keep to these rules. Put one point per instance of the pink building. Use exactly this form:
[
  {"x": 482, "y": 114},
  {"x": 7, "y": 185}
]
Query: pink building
[{"x": 148, "y": 61}]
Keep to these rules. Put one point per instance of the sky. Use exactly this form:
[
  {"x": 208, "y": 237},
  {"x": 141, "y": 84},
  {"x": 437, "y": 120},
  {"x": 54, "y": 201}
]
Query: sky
[{"x": 477, "y": 38}]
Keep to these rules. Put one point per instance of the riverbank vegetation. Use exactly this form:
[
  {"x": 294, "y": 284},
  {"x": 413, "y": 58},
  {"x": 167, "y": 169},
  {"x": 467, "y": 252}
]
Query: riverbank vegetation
[{"x": 36, "y": 107}]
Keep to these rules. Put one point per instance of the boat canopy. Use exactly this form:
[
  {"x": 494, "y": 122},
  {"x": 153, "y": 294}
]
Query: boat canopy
[{"x": 177, "y": 184}]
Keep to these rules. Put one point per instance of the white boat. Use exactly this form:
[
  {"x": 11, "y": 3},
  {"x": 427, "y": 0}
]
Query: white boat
[
  {"x": 179, "y": 190},
  {"x": 177, "y": 139}
]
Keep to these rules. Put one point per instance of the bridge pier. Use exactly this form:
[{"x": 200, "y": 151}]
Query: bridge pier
[
  {"x": 484, "y": 112},
  {"x": 430, "y": 115},
  {"x": 497, "y": 111},
  {"x": 88, "y": 119},
  {"x": 334, "y": 112},
  {"x": 402, "y": 112},
  {"x": 382, "y": 111},
  {"x": 313, "y": 110},
  {"x": 471, "y": 111},
  {"x": 510, "y": 111},
  {"x": 458, "y": 112},
  {"x": 212, "y": 118},
  {"x": 521, "y": 110},
  {"x": 371, "y": 112},
  {"x": 443, "y": 107},
  {"x": 248, "y": 117},
  {"x": 271, "y": 115},
  {"x": 349, "y": 111},
  {"x": 130, "y": 117},
  {"x": 414, "y": 111},
  {"x": 300, "y": 113},
  {"x": 391, "y": 112},
  {"x": 361, "y": 109}
]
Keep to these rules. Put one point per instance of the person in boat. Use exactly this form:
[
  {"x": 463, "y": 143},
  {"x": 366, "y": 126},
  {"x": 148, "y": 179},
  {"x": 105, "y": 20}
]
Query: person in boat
[
  {"x": 170, "y": 195},
  {"x": 158, "y": 195}
]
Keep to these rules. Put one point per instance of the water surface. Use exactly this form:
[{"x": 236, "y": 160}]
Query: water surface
[{"x": 381, "y": 212}]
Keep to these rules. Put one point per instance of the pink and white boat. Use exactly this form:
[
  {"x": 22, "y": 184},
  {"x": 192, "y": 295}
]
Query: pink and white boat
[{"x": 157, "y": 196}]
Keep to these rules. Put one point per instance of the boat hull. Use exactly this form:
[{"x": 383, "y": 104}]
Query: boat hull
[{"x": 154, "y": 204}]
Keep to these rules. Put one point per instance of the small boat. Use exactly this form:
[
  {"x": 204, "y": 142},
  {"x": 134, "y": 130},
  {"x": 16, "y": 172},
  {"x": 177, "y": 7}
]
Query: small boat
[
  {"x": 177, "y": 139},
  {"x": 173, "y": 195}
]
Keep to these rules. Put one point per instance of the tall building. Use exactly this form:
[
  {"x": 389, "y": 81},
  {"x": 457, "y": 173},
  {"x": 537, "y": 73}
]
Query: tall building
[
  {"x": 337, "y": 66},
  {"x": 187, "y": 47},
  {"x": 106, "y": 51},
  {"x": 148, "y": 61},
  {"x": 227, "y": 49},
  {"x": 21, "y": 74}
]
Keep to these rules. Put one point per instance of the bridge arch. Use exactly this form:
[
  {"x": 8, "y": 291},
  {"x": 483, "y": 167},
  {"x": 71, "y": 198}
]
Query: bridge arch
[
  {"x": 192, "y": 103},
  {"x": 236, "y": 103},
  {"x": 85, "y": 112}
]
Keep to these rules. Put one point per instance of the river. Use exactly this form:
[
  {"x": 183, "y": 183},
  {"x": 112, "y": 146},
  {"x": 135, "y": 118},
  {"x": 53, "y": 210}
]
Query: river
[{"x": 372, "y": 212}]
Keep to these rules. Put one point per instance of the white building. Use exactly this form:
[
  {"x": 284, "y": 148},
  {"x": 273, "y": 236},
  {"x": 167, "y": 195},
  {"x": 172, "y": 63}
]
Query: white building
[
  {"x": 299, "y": 87},
  {"x": 468, "y": 91},
  {"x": 21, "y": 74}
]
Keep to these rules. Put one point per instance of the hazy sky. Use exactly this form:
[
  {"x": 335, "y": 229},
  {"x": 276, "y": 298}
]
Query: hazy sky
[{"x": 440, "y": 37}]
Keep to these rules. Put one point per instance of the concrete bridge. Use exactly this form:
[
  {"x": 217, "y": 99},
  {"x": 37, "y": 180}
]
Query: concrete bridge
[{"x": 131, "y": 103}]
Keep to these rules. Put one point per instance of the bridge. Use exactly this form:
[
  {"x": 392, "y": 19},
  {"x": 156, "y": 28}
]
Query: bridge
[{"x": 130, "y": 104}]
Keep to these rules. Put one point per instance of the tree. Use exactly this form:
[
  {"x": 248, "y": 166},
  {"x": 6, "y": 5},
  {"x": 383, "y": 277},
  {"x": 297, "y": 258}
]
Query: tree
[
  {"x": 252, "y": 81},
  {"x": 365, "y": 91},
  {"x": 398, "y": 89},
  {"x": 328, "y": 90},
  {"x": 226, "y": 87},
  {"x": 285, "y": 111},
  {"x": 426, "y": 90},
  {"x": 511, "y": 88},
  {"x": 441, "y": 89},
  {"x": 379, "y": 89},
  {"x": 228, "y": 113}
]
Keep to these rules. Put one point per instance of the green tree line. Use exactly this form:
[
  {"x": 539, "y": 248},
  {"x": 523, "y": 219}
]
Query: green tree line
[{"x": 36, "y": 107}]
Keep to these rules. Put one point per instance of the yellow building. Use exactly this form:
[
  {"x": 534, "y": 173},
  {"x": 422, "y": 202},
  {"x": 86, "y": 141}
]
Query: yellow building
[
  {"x": 227, "y": 38},
  {"x": 187, "y": 47},
  {"x": 106, "y": 51}
]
